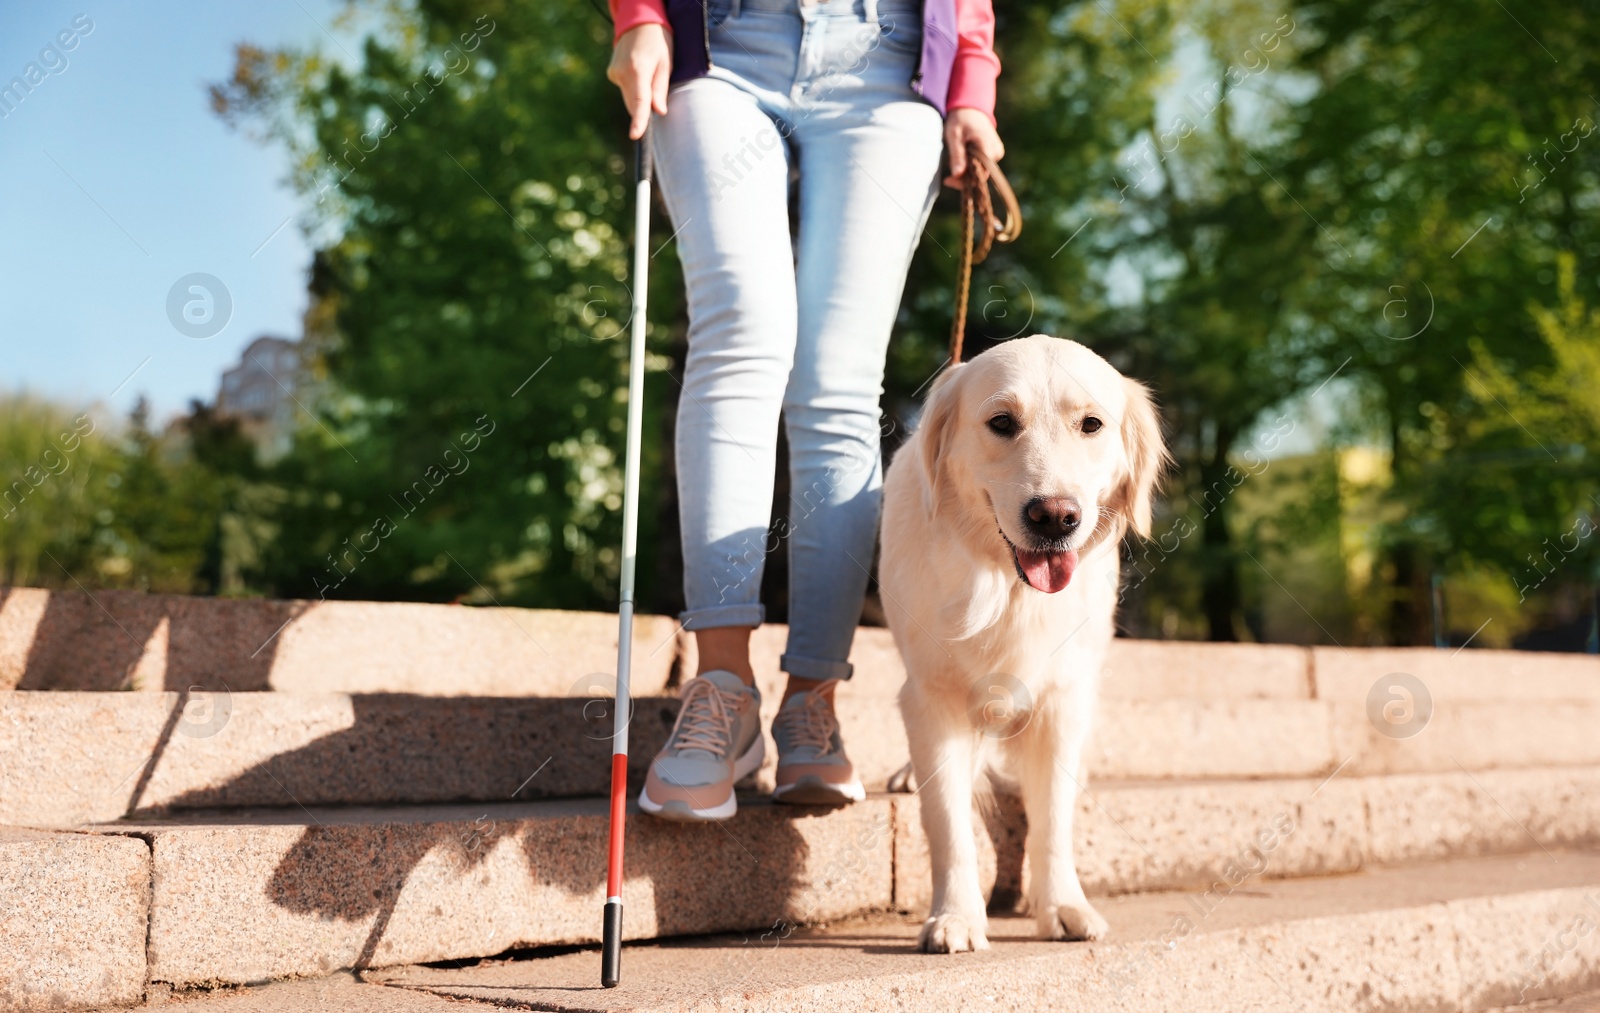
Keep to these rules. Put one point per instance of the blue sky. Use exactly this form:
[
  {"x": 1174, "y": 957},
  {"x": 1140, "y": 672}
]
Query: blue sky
[{"x": 118, "y": 181}]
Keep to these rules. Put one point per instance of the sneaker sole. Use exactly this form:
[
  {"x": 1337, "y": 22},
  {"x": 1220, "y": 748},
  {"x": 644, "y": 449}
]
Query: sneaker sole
[
  {"x": 684, "y": 812},
  {"x": 813, "y": 790}
]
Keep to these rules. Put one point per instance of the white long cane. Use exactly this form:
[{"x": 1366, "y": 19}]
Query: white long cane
[{"x": 611, "y": 950}]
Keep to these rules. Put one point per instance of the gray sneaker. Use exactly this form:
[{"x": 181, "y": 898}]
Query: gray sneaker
[
  {"x": 812, "y": 766},
  {"x": 716, "y": 742}
]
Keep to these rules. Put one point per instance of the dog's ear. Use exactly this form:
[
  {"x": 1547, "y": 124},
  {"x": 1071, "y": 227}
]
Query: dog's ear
[
  {"x": 938, "y": 413},
  {"x": 1147, "y": 458}
]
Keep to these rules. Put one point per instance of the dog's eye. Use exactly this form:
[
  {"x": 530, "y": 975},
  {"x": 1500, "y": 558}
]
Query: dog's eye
[
  {"x": 1003, "y": 424},
  {"x": 1092, "y": 425}
]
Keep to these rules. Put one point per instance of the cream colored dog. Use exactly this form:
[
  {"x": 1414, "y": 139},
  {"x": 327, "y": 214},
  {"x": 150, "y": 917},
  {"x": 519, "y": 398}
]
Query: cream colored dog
[{"x": 1002, "y": 519}]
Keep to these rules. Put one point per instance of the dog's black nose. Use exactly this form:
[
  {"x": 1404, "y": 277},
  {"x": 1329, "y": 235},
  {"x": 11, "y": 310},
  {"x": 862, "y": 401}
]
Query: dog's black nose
[{"x": 1052, "y": 517}]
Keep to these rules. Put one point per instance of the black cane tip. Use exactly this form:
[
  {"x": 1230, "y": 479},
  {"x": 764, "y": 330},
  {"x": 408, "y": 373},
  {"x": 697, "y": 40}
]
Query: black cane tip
[{"x": 611, "y": 945}]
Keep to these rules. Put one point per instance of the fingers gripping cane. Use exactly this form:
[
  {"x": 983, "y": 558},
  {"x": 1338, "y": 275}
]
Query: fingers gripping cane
[{"x": 611, "y": 951}]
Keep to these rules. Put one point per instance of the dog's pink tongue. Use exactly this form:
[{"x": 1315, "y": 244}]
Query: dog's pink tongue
[{"x": 1047, "y": 571}]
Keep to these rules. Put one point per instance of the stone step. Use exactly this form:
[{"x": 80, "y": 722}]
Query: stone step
[
  {"x": 1135, "y": 669},
  {"x": 1462, "y": 935},
  {"x": 117, "y": 640},
  {"x": 1582, "y": 1002},
  {"x": 114, "y": 640},
  {"x": 68, "y": 758},
  {"x": 335, "y": 993},
  {"x": 1348, "y": 675},
  {"x": 72, "y": 758},
  {"x": 246, "y": 896},
  {"x": 1465, "y": 935},
  {"x": 73, "y": 915}
]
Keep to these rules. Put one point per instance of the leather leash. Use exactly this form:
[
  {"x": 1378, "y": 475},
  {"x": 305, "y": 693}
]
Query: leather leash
[{"x": 977, "y": 205}]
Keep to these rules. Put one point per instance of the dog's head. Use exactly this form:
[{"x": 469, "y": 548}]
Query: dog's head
[{"x": 1044, "y": 440}]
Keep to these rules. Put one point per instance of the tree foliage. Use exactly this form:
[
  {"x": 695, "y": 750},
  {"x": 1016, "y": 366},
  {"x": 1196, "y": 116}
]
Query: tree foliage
[
  {"x": 1273, "y": 211},
  {"x": 471, "y": 190},
  {"x": 92, "y": 502},
  {"x": 1248, "y": 203}
]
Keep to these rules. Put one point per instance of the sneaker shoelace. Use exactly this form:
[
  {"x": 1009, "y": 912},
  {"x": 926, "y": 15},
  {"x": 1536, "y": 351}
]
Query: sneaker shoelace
[
  {"x": 706, "y": 720},
  {"x": 811, "y": 725}
]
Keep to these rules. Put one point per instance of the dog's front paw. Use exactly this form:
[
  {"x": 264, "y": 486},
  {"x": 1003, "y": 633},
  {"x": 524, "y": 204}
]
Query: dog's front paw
[
  {"x": 1072, "y": 920},
  {"x": 951, "y": 934}
]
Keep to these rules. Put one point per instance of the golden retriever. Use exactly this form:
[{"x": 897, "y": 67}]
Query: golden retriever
[{"x": 1002, "y": 519}]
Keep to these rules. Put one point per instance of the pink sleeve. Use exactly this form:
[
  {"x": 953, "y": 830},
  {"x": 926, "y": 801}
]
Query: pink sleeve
[
  {"x": 627, "y": 14},
  {"x": 973, "y": 75}
]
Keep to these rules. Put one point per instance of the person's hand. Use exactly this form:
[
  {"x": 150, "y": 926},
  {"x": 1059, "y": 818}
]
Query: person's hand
[
  {"x": 961, "y": 126},
  {"x": 641, "y": 63}
]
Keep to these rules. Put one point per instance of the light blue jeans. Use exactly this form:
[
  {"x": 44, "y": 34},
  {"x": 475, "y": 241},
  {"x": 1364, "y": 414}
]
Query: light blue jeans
[{"x": 817, "y": 98}]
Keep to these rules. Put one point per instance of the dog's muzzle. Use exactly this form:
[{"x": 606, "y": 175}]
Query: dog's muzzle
[{"x": 1050, "y": 522}]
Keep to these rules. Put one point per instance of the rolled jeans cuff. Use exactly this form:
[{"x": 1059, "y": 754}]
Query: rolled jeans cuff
[
  {"x": 723, "y": 615},
  {"x": 815, "y": 669}
]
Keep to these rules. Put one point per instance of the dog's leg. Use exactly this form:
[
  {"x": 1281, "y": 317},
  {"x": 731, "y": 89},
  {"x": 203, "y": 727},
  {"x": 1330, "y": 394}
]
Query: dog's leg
[
  {"x": 1051, "y": 766},
  {"x": 943, "y": 751}
]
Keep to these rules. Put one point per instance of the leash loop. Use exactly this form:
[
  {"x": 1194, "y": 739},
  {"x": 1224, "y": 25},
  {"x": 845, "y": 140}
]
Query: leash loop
[{"x": 980, "y": 230}]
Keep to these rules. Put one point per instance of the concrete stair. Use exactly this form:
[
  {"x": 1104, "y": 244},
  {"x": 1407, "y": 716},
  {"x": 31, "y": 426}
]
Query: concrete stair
[
  {"x": 1458, "y": 935},
  {"x": 246, "y": 896},
  {"x": 1462, "y": 935},
  {"x": 228, "y": 793},
  {"x": 1582, "y": 1002},
  {"x": 74, "y": 911},
  {"x": 157, "y": 752},
  {"x": 69, "y": 757}
]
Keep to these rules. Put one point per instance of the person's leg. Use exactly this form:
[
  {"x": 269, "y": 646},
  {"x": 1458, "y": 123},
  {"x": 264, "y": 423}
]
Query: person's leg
[
  {"x": 869, "y": 165},
  {"x": 869, "y": 159},
  {"x": 726, "y": 648},
  {"x": 724, "y": 173},
  {"x": 723, "y": 170}
]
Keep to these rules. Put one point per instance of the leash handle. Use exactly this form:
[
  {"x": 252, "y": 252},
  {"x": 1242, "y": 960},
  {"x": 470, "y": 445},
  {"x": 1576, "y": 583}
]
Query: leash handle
[{"x": 977, "y": 205}]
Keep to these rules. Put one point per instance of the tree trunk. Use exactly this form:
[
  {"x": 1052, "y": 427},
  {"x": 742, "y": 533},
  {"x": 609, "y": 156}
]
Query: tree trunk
[
  {"x": 1410, "y": 601},
  {"x": 1409, "y": 592},
  {"x": 1219, "y": 561}
]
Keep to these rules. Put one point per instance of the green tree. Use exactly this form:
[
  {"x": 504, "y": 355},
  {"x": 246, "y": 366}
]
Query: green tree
[
  {"x": 96, "y": 504},
  {"x": 467, "y": 179},
  {"x": 1530, "y": 448},
  {"x": 1240, "y": 201},
  {"x": 1426, "y": 174},
  {"x": 54, "y": 465}
]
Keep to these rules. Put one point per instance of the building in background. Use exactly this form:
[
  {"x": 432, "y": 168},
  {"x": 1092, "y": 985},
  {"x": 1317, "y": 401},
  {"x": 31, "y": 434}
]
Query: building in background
[{"x": 261, "y": 393}]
